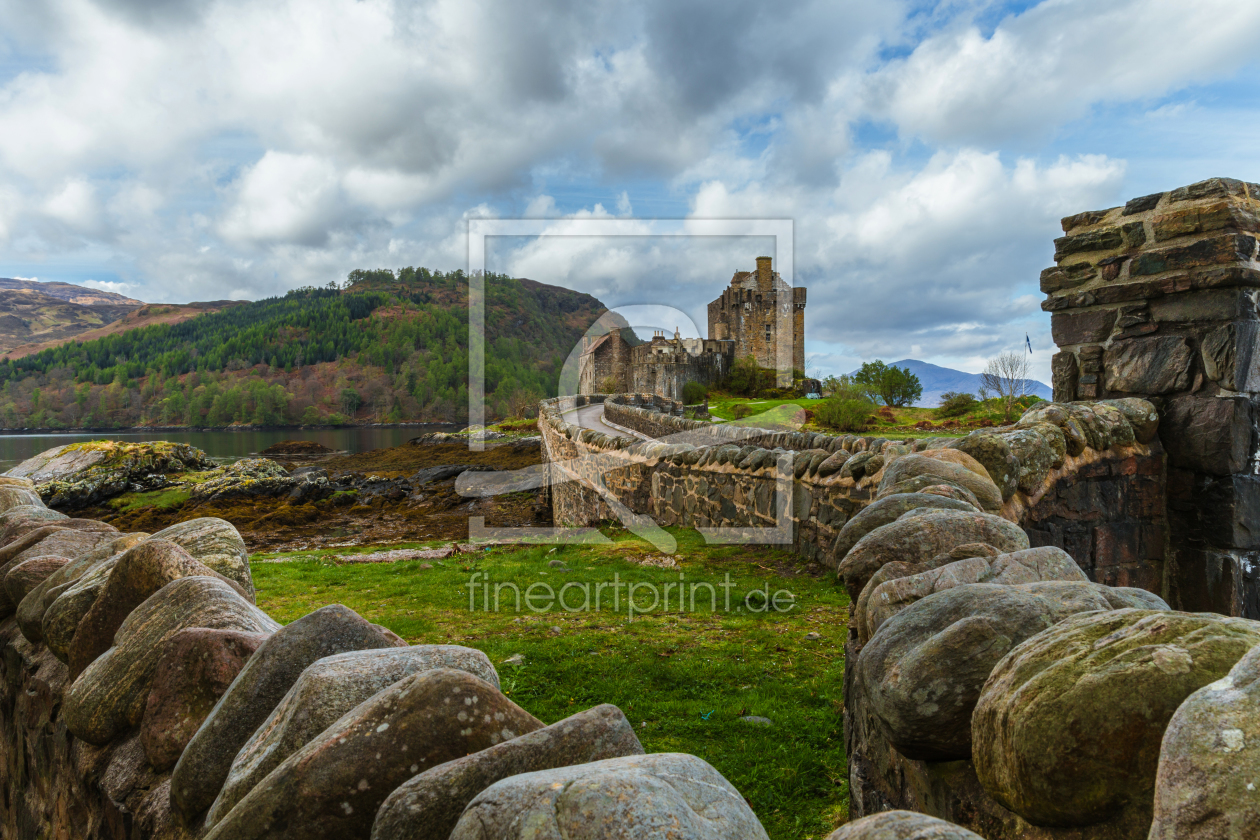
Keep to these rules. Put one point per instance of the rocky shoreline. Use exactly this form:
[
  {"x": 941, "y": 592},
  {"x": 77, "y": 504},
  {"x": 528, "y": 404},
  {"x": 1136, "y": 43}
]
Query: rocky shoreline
[{"x": 291, "y": 500}]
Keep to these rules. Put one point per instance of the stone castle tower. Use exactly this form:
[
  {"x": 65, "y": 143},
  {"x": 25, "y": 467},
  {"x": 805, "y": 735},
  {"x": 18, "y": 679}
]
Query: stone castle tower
[
  {"x": 759, "y": 315},
  {"x": 764, "y": 316}
]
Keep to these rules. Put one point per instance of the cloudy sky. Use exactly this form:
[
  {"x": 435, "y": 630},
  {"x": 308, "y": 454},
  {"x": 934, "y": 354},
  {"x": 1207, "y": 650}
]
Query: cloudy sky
[{"x": 187, "y": 150}]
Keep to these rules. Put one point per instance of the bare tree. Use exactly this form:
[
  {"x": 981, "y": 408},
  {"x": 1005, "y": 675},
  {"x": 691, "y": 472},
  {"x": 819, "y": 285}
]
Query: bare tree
[{"x": 1006, "y": 376}]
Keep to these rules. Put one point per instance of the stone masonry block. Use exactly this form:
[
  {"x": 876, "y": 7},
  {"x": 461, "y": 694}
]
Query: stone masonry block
[
  {"x": 1207, "y": 434},
  {"x": 1213, "y": 217},
  {"x": 1066, "y": 277},
  {"x": 1208, "y": 305},
  {"x": 1216, "y": 250},
  {"x": 1148, "y": 366},
  {"x": 1211, "y": 188},
  {"x": 1088, "y": 327},
  {"x": 1222, "y": 511},
  {"x": 1063, "y": 376},
  {"x": 1106, "y": 239},
  {"x": 1141, "y": 205},
  {"x": 1089, "y": 217},
  {"x": 1229, "y": 356}
]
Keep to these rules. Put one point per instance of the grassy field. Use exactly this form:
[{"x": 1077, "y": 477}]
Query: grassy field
[
  {"x": 684, "y": 678},
  {"x": 911, "y": 421}
]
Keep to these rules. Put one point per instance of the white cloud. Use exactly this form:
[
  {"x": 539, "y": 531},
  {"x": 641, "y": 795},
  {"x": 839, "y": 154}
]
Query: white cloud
[
  {"x": 285, "y": 198},
  {"x": 75, "y": 205},
  {"x": 1053, "y": 62},
  {"x": 237, "y": 149},
  {"x": 124, "y": 289}
]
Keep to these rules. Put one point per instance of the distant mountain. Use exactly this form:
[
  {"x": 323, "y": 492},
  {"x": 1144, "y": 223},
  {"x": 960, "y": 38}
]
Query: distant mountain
[
  {"x": 69, "y": 292},
  {"x": 46, "y": 313},
  {"x": 936, "y": 380},
  {"x": 145, "y": 315}
]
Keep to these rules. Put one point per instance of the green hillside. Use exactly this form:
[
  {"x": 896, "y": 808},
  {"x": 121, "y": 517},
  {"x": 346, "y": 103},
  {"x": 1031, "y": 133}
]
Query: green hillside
[{"x": 388, "y": 346}]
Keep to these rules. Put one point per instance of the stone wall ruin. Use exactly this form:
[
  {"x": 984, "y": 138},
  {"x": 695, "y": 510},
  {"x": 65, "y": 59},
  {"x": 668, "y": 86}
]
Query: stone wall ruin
[{"x": 1158, "y": 299}]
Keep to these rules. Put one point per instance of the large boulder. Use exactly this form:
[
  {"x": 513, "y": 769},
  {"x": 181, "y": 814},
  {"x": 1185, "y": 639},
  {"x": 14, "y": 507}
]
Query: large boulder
[
  {"x": 34, "y": 607},
  {"x": 325, "y": 691},
  {"x": 27, "y": 513},
  {"x": 901, "y": 825},
  {"x": 196, "y": 667},
  {"x": 859, "y": 622},
  {"x": 931, "y": 464},
  {"x": 64, "y": 542},
  {"x": 1068, "y": 728},
  {"x": 428, "y": 806},
  {"x": 216, "y": 543},
  {"x": 67, "y": 604},
  {"x": 110, "y": 696},
  {"x": 28, "y": 574},
  {"x": 661, "y": 795},
  {"x": 11, "y": 497},
  {"x": 80, "y": 474},
  {"x": 333, "y": 786},
  {"x": 923, "y": 671},
  {"x": 256, "y": 692},
  {"x": 879, "y": 603},
  {"x": 1039, "y": 449},
  {"x": 916, "y": 539},
  {"x": 884, "y": 511},
  {"x": 1209, "y": 760},
  {"x": 994, "y": 454},
  {"x": 246, "y": 478},
  {"x": 136, "y": 574}
]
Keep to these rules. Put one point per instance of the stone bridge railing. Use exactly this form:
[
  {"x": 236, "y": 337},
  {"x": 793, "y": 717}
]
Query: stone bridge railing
[{"x": 1087, "y": 478}]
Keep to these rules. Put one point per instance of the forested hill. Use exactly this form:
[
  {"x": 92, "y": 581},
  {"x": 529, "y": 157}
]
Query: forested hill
[{"x": 387, "y": 346}]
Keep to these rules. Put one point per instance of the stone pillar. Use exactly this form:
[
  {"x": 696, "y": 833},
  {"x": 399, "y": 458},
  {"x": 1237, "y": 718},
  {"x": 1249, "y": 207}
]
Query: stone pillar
[{"x": 1158, "y": 299}]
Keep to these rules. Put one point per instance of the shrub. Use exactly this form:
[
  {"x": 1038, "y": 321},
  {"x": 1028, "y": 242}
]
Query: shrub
[
  {"x": 694, "y": 393},
  {"x": 843, "y": 415},
  {"x": 740, "y": 411},
  {"x": 955, "y": 404}
]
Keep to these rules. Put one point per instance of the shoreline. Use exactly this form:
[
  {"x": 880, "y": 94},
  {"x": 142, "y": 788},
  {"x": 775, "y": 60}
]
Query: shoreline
[{"x": 143, "y": 429}]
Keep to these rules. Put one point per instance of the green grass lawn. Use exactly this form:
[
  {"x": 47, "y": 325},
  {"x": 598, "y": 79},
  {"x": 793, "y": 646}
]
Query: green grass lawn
[
  {"x": 772, "y": 413},
  {"x": 683, "y": 678}
]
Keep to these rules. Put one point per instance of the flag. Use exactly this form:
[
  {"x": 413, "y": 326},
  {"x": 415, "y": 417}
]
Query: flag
[{"x": 1028, "y": 342}]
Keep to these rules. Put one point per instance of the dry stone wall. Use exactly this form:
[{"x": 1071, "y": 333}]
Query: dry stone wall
[
  {"x": 987, "y": 686},
  {"x": 1158, "y": 299},
  {"x": 174, "y": 708},
  {"x": 1065, "y": 474}
]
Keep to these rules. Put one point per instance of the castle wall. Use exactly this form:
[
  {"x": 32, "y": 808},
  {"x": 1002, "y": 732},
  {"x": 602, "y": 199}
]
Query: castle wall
[
  {"x": 610, "y": 357},
  {"x": 665, "y": 373},
  {"x": 1158, "y": 298}
]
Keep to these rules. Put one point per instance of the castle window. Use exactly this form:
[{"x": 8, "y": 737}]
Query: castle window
[{"x": 767, "y": 330}]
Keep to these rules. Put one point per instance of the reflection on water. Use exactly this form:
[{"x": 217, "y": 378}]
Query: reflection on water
[{"x": 223, "y": 446}]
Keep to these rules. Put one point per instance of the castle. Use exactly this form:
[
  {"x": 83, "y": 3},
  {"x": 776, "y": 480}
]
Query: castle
[{"x": 758, "y": 315}]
